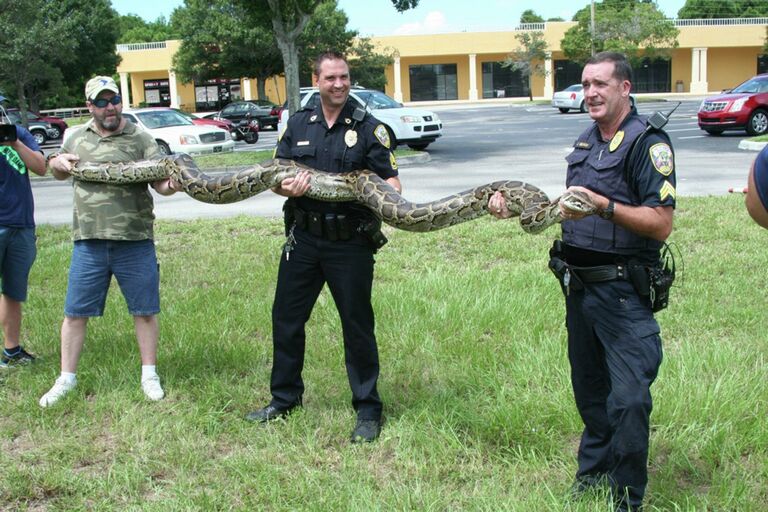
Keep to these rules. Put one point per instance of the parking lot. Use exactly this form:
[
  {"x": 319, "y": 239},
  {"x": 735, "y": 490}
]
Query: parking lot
[{"x": 482, "y": 143}]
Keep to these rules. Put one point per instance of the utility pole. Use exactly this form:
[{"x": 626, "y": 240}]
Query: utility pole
[{"x": 592, "y": 26}]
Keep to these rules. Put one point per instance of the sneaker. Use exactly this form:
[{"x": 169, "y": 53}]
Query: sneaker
[
  {"x": 21, "y": 357},
  {"x": 60, "y": 388},
  {"x": 366, "y": 431},
  {"x": 152, "y": 388}
]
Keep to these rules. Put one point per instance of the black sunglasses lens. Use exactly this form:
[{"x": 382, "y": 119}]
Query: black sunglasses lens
[{"x": 102, "y": 102}]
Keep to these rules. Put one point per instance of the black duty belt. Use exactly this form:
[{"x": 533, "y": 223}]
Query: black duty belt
[
  {"x": 600, "y": 273},
  {"x": 331, "y": 226}
]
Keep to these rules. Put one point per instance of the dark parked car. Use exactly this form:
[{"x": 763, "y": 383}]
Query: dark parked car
[
  {"x": 745, "y": 107},
  {"x": 40, "y": 130},
  {"x": 265, "y": 112},
  {"x": 58, "y": 125}
]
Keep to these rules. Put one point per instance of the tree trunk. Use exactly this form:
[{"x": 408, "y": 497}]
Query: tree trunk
[{"x": 286, "y": 36}]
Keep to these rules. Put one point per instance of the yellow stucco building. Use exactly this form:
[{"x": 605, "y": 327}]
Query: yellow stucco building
[{"x": 712, "y": 55}]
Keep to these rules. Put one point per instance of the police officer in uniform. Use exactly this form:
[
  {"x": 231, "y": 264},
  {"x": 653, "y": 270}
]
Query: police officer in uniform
[
  {"x": 604, "y": 262},
  {"x": 331, "y": 243}
]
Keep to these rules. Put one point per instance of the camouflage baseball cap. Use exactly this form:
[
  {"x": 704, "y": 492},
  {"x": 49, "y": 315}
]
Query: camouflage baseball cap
[{"x": 100, "y": 83}]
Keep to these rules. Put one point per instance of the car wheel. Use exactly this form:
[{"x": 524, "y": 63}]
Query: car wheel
[
  {"x": 164, "y": 149},
  {"x": 55, "y": 132},
  {"x": 583, "y": 107},
  {"x": 418, "y": 147},
  {"x": 563, "y": 110},
  {"x": 40, "y": 137},
  {"x": 758, "y": 122},
  {"x": 712, "y": 131}
]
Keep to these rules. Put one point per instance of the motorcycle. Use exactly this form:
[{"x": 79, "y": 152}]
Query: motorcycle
[{"x": 247, "y": 130}]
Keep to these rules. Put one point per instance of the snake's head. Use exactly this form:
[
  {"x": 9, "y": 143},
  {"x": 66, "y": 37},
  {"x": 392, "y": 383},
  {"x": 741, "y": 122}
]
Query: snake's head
[{"x": 579, "y": 201}]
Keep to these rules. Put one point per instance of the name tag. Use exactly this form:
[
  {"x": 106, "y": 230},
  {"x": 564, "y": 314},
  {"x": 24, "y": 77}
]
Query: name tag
[{"x": 303, "y": 143}]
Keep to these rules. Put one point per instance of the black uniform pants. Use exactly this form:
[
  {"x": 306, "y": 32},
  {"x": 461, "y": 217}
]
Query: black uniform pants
[
  {"x": 347, "y": 267},
  {"x": 615, "y": 352}
]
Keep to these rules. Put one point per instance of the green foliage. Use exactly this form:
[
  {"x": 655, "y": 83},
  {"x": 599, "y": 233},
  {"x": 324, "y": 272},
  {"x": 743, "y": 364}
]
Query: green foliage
[
  {"x": 326, "y": 30},
  {"x": 134, "y": 29},
  {"x": 635, "y": 28},
  {"x": 367, "y": 66},
  {"x": 404, "y": 5},
  {"x": 528, "y": 16},
  {"x": 50, "y": 49},
  {"x": 477, "y": 397},
  {"x": 529, "y": 58},
  {"x": 702, "y": 9}
]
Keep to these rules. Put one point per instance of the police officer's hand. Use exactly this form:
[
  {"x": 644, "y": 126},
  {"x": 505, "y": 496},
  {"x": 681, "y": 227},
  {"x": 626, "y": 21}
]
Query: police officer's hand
[
  {"x": 497, "y": 206},
  {"x": 569, "y": 214},
  {"x": 294, "y": 187}
]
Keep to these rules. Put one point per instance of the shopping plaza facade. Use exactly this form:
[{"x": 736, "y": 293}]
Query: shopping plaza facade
[{"x": 712, "y": 55}]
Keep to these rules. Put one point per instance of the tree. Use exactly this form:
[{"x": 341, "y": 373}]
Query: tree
[
  {"x": 289, "y": 17},
  {"x": 367, "y": 66},
  {"x": 633, "y": 27},
  {"x": 28, "y": 57},
  {"x": 235, "y": 41},
  {"x": 134, "y": 29},
  {"x": 529, "y": 58},
  {"x": 404, "y": 5},
  {"x": 528, "y": 16},
  {"x": 704, "y": 9}
]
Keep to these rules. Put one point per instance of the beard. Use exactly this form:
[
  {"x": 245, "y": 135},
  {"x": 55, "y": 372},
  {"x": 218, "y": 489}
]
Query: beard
[{"x": 108, "y": 123}]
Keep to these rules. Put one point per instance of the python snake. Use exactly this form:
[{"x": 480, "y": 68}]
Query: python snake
[{"x": 531, "y": 204}]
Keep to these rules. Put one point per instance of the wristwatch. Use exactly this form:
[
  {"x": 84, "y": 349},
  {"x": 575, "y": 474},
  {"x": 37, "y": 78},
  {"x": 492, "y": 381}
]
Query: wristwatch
[{"x": 607, "y": 212}]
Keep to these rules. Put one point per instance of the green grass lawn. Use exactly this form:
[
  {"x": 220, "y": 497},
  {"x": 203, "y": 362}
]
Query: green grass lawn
[{"x": 478, "y": 406}]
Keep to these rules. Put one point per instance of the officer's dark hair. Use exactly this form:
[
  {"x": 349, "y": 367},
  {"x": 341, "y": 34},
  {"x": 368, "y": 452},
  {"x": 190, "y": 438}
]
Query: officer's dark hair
[
  {"x": 621, "y": 68},
  {"x": 329, "y": 55}
]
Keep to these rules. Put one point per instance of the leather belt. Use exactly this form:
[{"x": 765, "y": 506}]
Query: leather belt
[{"x": 600, "y": 273}]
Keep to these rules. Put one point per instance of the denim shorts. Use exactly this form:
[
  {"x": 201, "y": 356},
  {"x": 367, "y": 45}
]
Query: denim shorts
[
  {"x": 17, "y": 253},
  {"x": 94, "y": 262}
]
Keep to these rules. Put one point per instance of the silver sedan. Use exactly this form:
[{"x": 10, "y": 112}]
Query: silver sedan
[{"x": 572, "y": 97}]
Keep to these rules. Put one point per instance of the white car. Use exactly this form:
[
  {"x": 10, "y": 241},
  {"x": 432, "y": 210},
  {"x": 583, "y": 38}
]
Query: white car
[
  {"x": 175, "y": 133},
  {"x": 570, "y": 98},
  {"x": 416, "y": 127}
]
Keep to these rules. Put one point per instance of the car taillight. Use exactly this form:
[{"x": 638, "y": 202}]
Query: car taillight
[{"x": 573, "y": 95}]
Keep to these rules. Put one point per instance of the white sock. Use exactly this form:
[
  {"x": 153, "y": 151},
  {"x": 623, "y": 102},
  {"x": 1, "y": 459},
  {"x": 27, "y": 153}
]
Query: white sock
[
  {"x": 69, "y": 378},
  {"x": 148, "y": 370}
]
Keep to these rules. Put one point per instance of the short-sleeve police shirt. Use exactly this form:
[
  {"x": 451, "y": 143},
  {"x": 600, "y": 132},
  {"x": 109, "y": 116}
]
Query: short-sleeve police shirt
[{"x": 348, "y": 145}]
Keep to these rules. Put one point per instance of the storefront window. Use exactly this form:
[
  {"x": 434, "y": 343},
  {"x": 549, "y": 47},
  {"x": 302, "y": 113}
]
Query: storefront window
[
  {"x": 215, "y": 94},
  {"x": 433, "y": 82},
  {"x": 157, "y": 93},
  {"x": 502, "y": 82}
]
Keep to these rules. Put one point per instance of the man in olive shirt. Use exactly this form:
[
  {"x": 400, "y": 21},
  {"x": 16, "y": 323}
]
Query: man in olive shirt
[{"x": 113, "y": 235}]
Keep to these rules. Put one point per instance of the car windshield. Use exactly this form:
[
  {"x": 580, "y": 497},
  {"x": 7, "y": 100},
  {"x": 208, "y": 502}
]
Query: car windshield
[
  {"x": 575, "y": 87},
  {"x": 753, "y": 85},
  {"x": 376, "y": 100},
  {"x": 162, "y": 119}
]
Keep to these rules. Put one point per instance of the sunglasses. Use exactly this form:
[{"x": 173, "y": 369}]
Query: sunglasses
[{"x": 103, "y": 102}]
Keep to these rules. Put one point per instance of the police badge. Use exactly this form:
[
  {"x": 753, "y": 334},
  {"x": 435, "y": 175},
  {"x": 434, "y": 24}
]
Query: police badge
[{"x": 350, "y": 138}]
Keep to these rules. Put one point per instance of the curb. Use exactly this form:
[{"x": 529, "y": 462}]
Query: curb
[
  {"x": 420, "y": 158},
  {"x": 752, "y": 145}
]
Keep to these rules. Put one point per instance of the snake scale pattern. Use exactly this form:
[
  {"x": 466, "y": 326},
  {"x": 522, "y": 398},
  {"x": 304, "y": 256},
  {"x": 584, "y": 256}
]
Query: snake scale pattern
[{"x": 531, "y": 204}]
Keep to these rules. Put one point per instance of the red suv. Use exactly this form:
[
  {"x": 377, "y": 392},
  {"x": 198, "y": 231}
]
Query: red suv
[{"x": 745, "y": 107}]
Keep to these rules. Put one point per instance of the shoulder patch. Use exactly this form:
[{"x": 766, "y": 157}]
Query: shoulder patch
[
  {"x": 392, "y": 161},
  {"x": 661, "y": 156},
  {"x": 382, "y": 135}
]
